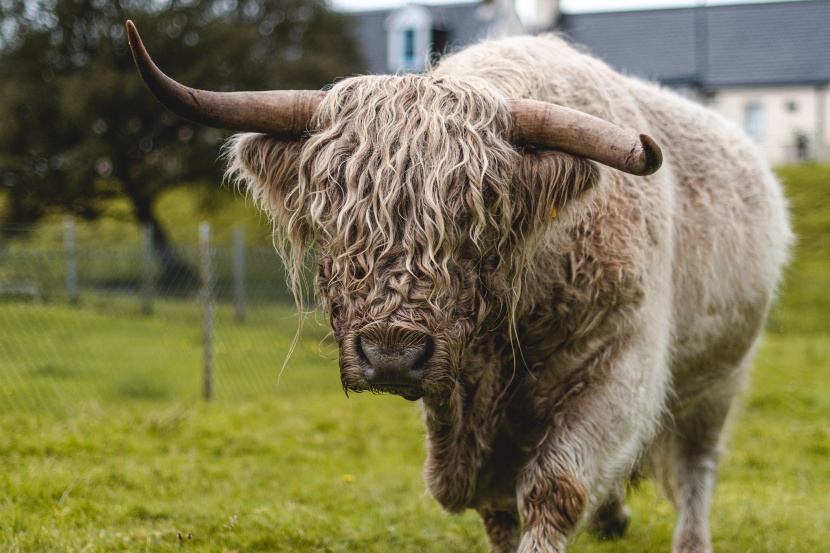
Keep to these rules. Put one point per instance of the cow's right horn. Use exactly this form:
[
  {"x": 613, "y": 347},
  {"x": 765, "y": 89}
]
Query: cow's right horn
[
  {"x": 569, "y": 130},
  {"x": 274, "y": 111}
]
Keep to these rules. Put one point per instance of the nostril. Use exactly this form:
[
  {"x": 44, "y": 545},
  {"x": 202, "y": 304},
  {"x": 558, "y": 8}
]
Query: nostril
[
  {"x": 396, "y": 361},
  {"x": 424, "y": 352},
  {"x": 365, "y": 357}
]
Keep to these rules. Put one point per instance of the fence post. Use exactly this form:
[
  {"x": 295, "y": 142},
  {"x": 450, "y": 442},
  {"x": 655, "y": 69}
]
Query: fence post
[
  {"x": 239, "y": 291},
  {"x": 71, "y": 259},
  {"x": 147, "y": 285},
  {"x": 207, "y": 309}
]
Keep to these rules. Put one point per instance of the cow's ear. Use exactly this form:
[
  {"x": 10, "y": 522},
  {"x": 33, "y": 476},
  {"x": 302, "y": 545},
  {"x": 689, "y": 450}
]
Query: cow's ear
[
  {"x": 266, "y": 167},
  {"x": 546, "y": 181}
]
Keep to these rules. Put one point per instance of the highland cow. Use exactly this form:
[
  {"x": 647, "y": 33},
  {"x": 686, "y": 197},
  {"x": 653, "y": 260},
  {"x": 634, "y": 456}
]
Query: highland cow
[{"x": 493, "y": 242}]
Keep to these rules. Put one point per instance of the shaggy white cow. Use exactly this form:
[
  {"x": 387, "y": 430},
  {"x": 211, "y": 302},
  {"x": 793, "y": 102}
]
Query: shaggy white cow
[{"x": 492, "y": 253}]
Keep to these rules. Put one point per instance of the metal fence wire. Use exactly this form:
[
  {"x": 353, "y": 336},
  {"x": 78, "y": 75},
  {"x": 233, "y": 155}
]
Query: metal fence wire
[{"x": 85, "y": 320}]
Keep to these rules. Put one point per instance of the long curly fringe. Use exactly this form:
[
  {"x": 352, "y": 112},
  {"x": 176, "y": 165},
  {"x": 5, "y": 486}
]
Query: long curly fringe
[{"x": 412, "y": 163}]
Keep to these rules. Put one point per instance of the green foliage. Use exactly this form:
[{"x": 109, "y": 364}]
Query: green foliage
[
  {"x": 298, "y": 467},
  {"x": 77, "y": 125}
]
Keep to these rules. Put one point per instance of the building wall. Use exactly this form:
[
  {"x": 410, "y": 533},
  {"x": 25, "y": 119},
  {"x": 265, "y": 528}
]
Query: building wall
[{"x": 778, "y": 116}]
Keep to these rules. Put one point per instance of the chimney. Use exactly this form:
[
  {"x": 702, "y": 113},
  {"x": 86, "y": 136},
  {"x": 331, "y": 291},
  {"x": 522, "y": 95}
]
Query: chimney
[{"x": 547, "y": 14}]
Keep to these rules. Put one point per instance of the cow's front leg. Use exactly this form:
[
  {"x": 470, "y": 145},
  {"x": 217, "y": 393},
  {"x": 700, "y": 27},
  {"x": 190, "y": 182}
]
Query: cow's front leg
[
  {"x": 598, "y": 421},
  {"x": 552, "y": 506},
  {"x": 502, "y": 530},
  {"x": 611, "y": 518}
]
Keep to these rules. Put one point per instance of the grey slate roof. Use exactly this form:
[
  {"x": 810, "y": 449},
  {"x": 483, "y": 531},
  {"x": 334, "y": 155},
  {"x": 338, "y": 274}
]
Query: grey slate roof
[
  {"x": 784, "y": 43},
  {"x": 458, "y": 19}
]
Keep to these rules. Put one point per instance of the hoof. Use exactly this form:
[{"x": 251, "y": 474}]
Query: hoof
[{"x": 610, "y": 522}]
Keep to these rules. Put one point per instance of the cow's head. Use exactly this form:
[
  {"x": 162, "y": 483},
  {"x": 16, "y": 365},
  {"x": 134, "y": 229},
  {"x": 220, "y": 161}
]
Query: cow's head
[{"x": 418, "y": 192}]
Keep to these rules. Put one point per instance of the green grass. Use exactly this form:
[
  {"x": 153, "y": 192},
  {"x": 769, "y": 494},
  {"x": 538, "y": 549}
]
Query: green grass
[
  {"x": 301, "y": 473},
  {"x": 105, "y": 445},
  {"x": 103, "y": 351}
]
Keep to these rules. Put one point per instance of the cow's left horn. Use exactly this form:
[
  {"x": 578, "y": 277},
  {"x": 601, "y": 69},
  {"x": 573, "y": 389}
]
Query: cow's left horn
[
  {"x": 560, "y": 128},
  {"x": 274, "y": 111}
]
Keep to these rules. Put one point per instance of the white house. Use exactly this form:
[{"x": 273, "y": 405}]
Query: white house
[{"x": 765, "y": 67}]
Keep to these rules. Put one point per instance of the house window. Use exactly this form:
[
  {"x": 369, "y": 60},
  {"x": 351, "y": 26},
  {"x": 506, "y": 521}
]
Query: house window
[
  {"x": 408, "y": 35},
  {"x": 408, "y": 48},
  {"x": 754, "y": 120}
]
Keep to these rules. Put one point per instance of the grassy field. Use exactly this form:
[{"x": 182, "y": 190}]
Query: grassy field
[{"x": 116, "y": 452}]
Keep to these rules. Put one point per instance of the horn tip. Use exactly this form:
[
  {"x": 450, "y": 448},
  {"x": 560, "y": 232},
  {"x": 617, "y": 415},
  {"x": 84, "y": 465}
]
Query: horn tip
[
  {"x": 133, "y": 38},
  {"x": 652, "y": 154}
]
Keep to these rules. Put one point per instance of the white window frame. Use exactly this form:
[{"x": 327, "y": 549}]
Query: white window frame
[{"x": 408, "y": 23}]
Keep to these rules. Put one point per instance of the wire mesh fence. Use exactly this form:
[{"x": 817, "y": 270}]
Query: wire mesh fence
[{"x": 85, "y": 320}]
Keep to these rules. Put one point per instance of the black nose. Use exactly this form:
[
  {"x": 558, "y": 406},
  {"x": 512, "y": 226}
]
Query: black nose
[{"x": 395, "y": 367}]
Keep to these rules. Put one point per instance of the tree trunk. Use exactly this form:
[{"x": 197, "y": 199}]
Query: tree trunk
[{"x": 177, "y": 275}]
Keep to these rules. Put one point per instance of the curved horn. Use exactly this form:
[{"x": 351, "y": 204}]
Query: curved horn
[
  {"x": 276, "y": 111},
  {"x": 560, "y": 128}
]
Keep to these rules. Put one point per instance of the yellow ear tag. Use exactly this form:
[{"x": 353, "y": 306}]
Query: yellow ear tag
[{"x": 553, "y": 212}]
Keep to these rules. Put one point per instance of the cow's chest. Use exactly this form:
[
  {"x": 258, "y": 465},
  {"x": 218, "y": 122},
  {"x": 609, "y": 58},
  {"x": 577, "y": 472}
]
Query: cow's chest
[{"x": 511, "y": 450}]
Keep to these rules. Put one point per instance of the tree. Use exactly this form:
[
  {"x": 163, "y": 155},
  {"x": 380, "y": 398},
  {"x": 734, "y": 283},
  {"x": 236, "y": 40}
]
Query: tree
[{"x": 77, "y": 125}]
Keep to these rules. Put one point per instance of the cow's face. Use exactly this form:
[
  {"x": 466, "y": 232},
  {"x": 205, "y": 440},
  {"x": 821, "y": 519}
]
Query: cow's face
[{"x": 417, "y": 206}]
